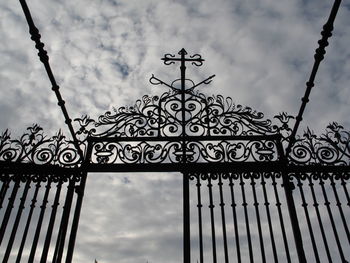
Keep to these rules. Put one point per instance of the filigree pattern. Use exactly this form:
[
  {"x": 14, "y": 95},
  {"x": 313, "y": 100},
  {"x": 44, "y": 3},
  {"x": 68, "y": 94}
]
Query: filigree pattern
[
  {"x": 216, "y": 131},
  {"x": 34, "y": 147},
  {"x": 331, "y": 148},
  {"x": 162, "y": 117},
  {"x": 195, "y": 152}
]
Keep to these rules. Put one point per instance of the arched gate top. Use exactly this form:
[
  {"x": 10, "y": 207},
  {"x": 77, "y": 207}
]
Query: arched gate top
[{"x": 179, "y": 129}]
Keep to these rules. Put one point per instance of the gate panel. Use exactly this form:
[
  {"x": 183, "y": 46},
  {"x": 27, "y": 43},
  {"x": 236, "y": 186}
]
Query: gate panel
[
  {"x": 243, "y": 217},
  {"x": 39, "y": 215},
  {"x": 322, "y": 203}
]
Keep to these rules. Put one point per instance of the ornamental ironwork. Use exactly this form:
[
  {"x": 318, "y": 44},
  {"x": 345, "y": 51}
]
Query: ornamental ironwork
[
  {"x": 233, "y": 134},
  {"x": 210, "y": 139},
  {"x": 213, "y": 142},
  {"x": 35, "y": 147}
]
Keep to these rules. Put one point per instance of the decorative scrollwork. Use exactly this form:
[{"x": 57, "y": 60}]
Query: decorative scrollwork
[
  {"x": 180, "y": 126},
  {"x": 214, "y": 116},
  {"x": 172, "y": 152},
  {"x": 168, "y": 59},
  {"x": 34, "y": 147},
  {"x": 159, "y": 118},
  {"x": 162, "y": 117},
  {"x": 198, "y": 61},
  {"x": 331, "y": 148}
]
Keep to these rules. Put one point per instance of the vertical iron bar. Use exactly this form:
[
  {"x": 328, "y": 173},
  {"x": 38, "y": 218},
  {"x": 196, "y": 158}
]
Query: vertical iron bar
[
  {"x": 29, "y": 219},
  {"x": 340, "y": 208},
  {"x": 57, "y": 245},
  {"x": 186, "y": 219},
  {"x": 234, "y": 213},
  {"x": 186, "y": 191},
  {"x": 327, "y": 204},
  {"x": 222, "y": 206},
  {"x": 288, "y": 191},
  {"x": 80, "y": 194},
  {"x": 51, "y": 222},
  {"x": 211, "y": 207},
  {"x": 40, "y": 221},
  {"x": 305, "y": 207},
  {"x": 208, "y": 118},
  {"x": 9, "y": 207},
  {"x": 16, "y": 223},
  {"x": 199, "y": 205},
  {"x": 183, "y": 80},
  {"x": 316, "y": 205},
  {"x": 278, "y": 204},
  {"x": 343, "y": 183},
  {"x": 267, "y": 207},
  {"x": 3, "y": 192},
  {"x": 159, "y": 118},
  {"x": 256, "y": 205},
  {"x": 64, "y": 222},
  {"x": 244, "y": 204}
]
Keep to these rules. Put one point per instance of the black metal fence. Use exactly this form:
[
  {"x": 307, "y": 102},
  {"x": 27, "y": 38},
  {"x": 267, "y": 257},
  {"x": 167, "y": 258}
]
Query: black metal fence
[
  {"x": 39, "y": 216},
  {"x": 261, "y": 192},
  {"x": 244, "y": 217}
]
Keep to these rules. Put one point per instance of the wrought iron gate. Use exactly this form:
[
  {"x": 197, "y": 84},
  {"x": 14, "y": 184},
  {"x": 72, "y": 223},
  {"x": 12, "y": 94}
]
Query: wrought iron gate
[{"x": 271, "y": 196}]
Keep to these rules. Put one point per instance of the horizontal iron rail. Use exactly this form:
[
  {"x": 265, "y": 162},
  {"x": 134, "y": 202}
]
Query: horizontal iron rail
[
  {"x": 33, "y": 168},
  {"x": 312, "y": 168},
  {"x": 188, "y": 167},
  {"x": 186, "y": 138},
  {"x": 272, "y": 166}
]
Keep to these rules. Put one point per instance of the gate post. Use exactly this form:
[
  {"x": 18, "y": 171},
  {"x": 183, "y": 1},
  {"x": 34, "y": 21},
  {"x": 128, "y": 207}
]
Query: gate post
[
  {"x": 288, "y": 190},
  {"x": 80, "y": 193},
  {"x": 186, "y": 219}
]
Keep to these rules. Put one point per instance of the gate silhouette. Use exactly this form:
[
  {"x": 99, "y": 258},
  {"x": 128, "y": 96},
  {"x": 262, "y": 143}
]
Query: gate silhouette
[{"x": 271, "y": 195}]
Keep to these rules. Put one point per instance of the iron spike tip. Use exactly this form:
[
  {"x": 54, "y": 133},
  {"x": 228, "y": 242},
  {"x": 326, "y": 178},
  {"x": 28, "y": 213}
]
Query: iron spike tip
[{"x": 182, "y": 52}]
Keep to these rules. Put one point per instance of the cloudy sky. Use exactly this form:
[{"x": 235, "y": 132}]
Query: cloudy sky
[{"x": 103, "y": 52}]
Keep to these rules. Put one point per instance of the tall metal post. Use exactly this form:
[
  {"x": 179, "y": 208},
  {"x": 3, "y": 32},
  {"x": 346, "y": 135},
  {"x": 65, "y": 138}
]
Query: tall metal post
[
  {"x": 80, "y": 194},
  {"x": 185, "y": 179},
  {"x": 197, "y": 61},
  {"x": 319, "y": 56},
  {"x": 288, "y": 190},
  {"x": 186, "y": 218}
]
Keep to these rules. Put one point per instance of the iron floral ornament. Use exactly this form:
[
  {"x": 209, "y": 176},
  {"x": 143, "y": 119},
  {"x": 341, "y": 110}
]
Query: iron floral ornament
[
  {"x": 34, "y": 147},
  {"x": 182, "y": 126},
  {"x": 216, "y": 130}
]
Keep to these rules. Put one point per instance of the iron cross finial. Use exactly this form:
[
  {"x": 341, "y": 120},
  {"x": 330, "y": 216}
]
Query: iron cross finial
[
  {"x": 182, "y": 51},
  {"x": 196, "y": 59}
]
